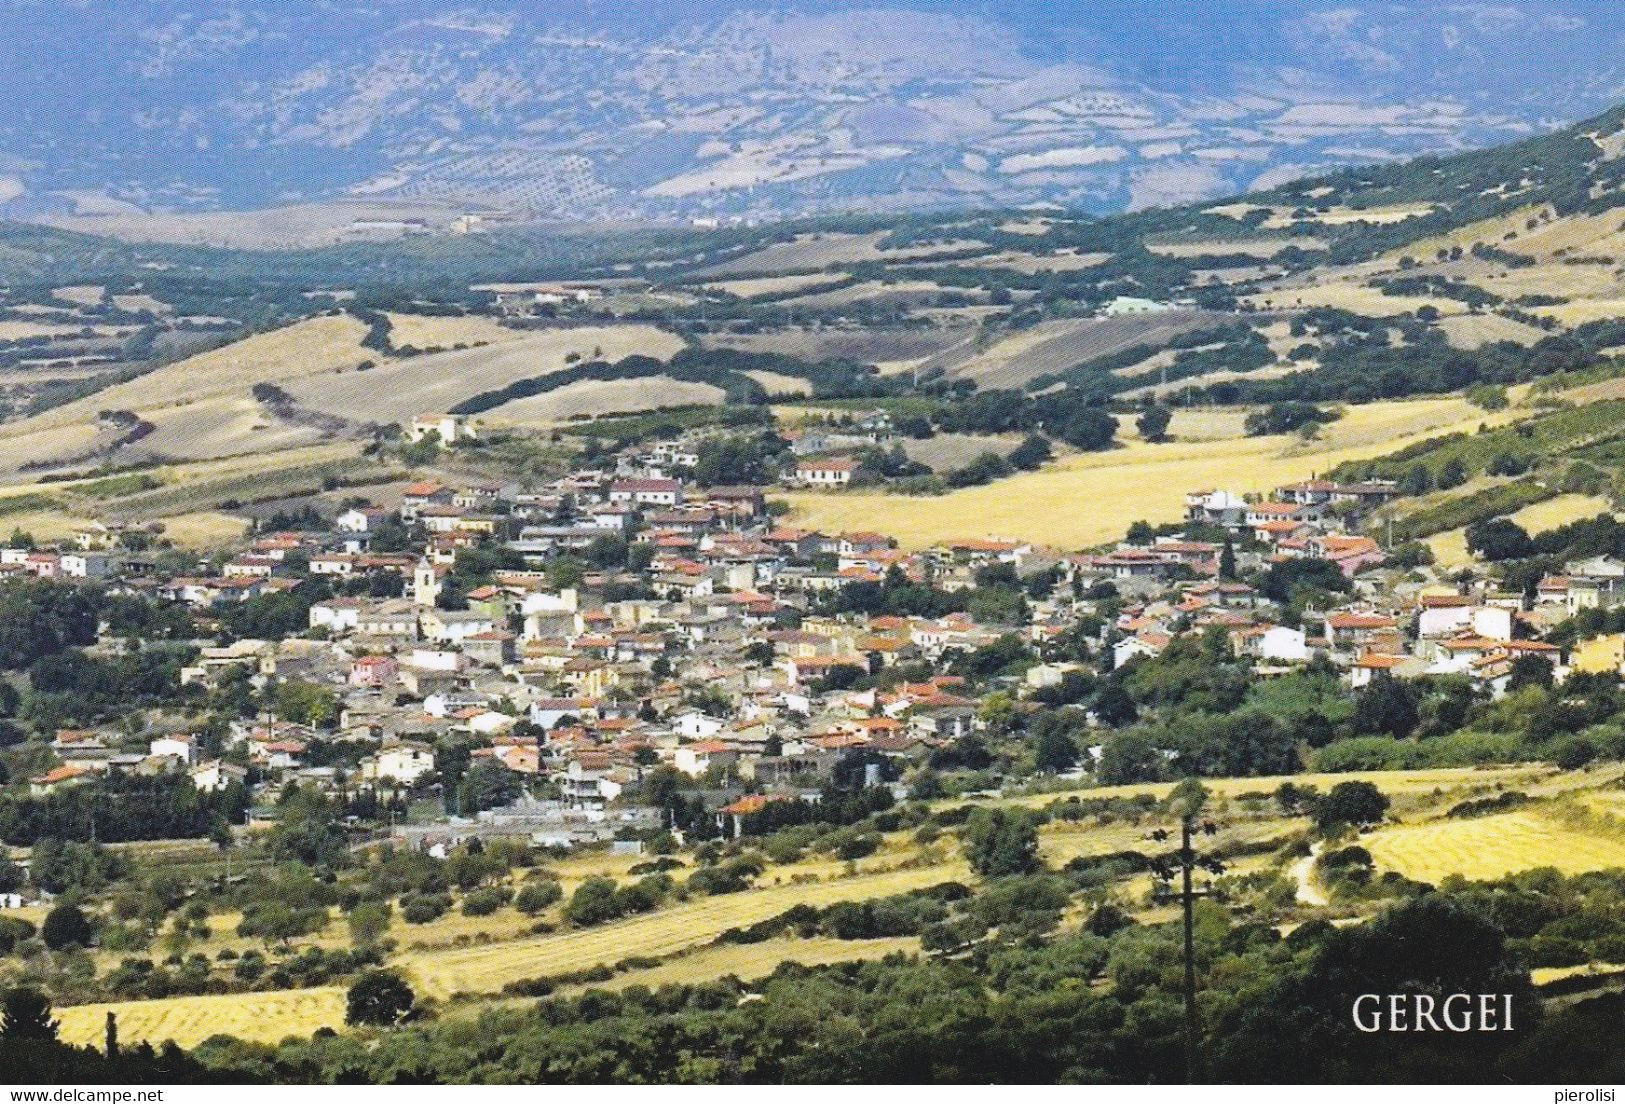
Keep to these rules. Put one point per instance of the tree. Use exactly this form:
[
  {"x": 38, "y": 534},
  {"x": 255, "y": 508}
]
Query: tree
[
  {"x": 592, "y": 903},
  {"x": 487, "y": 785},
  {"x": 1387, "y": 706},
  {"x": 1032, "y": 453},
  {"x": 1350, "y": 803},
  {"x": 1000, "y": 843},
  {"x": 1499, "y": 539},
  {"x": 1129, "y": 757},
  {"x": 368, "y": 922},
  {"x": 1054, "y": 751},
  {"x": 25, "y": 1013},
  {"x": 306, "y": 703},
  {"x": 380, "y": 998},
  {"x": 1153, "y": 424},
  {"x": 66, "y": 926}
]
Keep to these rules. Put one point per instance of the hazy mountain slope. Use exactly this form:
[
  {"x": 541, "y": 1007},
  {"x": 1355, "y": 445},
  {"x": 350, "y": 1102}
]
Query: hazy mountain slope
[{"x": 637, "y": 109}]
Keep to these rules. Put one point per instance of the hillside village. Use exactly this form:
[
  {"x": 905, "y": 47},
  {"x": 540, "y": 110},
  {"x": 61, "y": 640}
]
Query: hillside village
[{"x": 564, "y": 641}]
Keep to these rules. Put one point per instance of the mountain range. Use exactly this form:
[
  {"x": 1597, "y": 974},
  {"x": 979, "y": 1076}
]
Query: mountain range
[{"x": 635, "y": 110}]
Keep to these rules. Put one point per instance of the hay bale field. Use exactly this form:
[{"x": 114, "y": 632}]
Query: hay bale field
[
  {"x": 1492, "y": 847},
  {"x": 256, "y": 1017},
  {"x": 1078, "y": 501},
  {"x": 396, "y": 391}
]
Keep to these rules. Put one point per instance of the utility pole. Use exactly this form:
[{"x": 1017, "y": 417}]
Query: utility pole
[{"x": 1187, "y": 801}]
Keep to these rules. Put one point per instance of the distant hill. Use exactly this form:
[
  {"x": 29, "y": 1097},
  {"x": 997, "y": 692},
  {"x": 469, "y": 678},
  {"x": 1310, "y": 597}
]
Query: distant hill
[{"x": 680, "y": 109}]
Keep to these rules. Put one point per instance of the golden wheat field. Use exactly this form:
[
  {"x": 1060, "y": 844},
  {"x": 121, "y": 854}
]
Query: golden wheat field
[
  {"x": 256, "y": 1017},
  {"x": 428, "y": 331},
  {"x": 1492, "y": 847},
  {"x": 314, "y": 345},
  {"x": 756, "y": 960},
  {"x": 1450, "y": 547},
  {"x": 487, "y": 968},
  {"x": 1079, "y": 501}
]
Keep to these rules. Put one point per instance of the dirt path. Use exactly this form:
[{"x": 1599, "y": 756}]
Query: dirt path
[{"x": 1302, "y": 873}]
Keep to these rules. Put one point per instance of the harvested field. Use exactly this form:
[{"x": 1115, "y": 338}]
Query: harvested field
[
  {"x": 947, "y": 451},
  {"x": 777, "y": 384},
  {"x": 1079, "y": 501},
  {"x": 1263, "y": 248},
  {"x": 1055, "y": 346},
  {"x": 399, "y": 390},
  {"x": 1581, "y": 311},
  {"x": 868, "y": 346},
  {"x": 256, "y": 1017},
  {"x": 1450, "y": 547},
  {"x": 225, "y": 425},
  {"x": 1031, "y": 264},
  {"x": 869, "y": 291},
  {"x": 1492, "y": 847},
  {"x": 756, "y": 960},
  {"x": 304, "y": 348},
  {"x": 1470, "y": 331},
  {"x": 423, "y": 331},
  {"x": 486, "y": 969},
  {"x": 591, "y": 398},
  {"x": 766, "y": 286},
  {"x": 1354, "y": 298},
  {"x": 817, "y": 252}
]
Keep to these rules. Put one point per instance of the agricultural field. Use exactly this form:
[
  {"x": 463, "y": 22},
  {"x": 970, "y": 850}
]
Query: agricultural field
[
  {"x": 1450, "y": 547},
  {"x": 1076, "y": 502},
  {"x": 424, "y": 331},
  {"x": 257, "y": 1017},
  {"x": 946, "y": 451},
  {"x": 769, "y": 286},
  {"x": 324, "y": 344},
  {"x": 1493, "y": 846},
  {"x": 818, "y": 252},
  {"x": 1013, "y": 360},
  {"x": 1355, "y": 298},
  {"x": 1031, "y": 264},
  {"x": 1471, "y": 331},
  {"x": 399, "y": 390},
  {"x": 755, "y": 960},
  {"x": 1263, "y": 248},
  {"x": 669, "y": 931},
  {"x": 596, "y": 398}
]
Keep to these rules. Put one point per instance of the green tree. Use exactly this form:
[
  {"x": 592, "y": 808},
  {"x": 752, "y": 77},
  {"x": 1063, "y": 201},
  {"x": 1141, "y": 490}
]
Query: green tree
[
  {"x": 25, "y": 1013},
  {"x": 66, "y": 926},
  {"x": 379, "y": 998},
  {"x": 1350, "y": 803},
  {"x": 1153, "y": 424},
  {"x": 593, "y": 902},
  {"x": 368, "y": 922},
  {"x": 1000, "y": 843}
]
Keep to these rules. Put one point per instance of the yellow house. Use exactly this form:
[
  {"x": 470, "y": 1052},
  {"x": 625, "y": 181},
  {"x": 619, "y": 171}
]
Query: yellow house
[{"x": 1600, "y": 654}]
